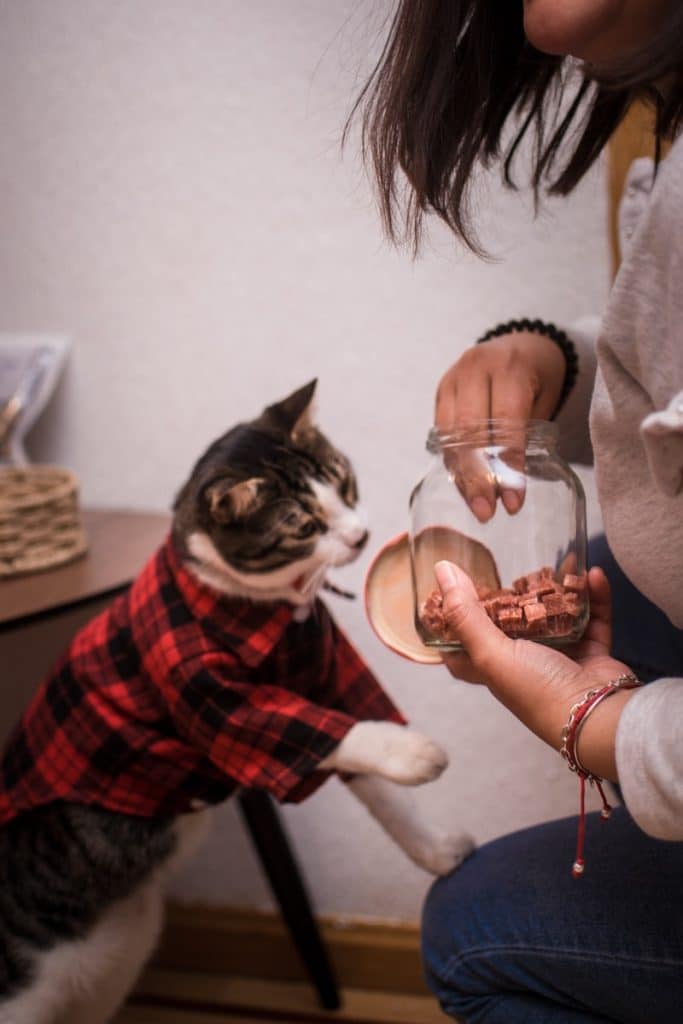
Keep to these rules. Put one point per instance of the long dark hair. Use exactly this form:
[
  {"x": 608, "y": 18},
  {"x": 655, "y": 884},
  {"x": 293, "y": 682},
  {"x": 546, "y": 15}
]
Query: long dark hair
[{"x": 451, "y": 76}]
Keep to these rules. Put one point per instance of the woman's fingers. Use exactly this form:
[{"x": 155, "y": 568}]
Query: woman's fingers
[
  {"x": 464, "y": 394},
  {"x": 488, "y": 383},
  {"x": 464, "y": 398},
  {"x": 512, "y": 399},
  {"x": 597, "y": 640},
  {"x": 475, "y": 480}
]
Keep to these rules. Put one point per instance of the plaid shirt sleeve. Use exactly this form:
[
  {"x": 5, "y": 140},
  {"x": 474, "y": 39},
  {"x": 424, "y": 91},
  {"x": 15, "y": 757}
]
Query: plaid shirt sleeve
[
  {"x": 262, "y": 737},
  {"x": 356, "y": 688}
]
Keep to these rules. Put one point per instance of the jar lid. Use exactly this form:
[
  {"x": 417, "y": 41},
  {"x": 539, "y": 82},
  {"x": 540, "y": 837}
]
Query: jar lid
[{"x": 388, "y": 598}]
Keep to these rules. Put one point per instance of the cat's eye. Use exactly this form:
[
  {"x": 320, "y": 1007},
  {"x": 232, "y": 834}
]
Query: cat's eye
[{"x": 301, "y": 528}]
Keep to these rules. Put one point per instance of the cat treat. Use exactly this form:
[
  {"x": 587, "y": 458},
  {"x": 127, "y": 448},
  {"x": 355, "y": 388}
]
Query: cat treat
[{"x": 537, "y": 605}]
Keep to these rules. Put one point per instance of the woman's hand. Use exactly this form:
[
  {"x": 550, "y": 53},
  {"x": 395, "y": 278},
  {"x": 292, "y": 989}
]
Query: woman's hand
[
  {"x": 517, "y": 377},
  {"x": 539, "y": 684}
]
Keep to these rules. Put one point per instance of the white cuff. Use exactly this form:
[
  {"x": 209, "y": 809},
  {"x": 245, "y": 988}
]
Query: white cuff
[{"x": 649, "y": 753}]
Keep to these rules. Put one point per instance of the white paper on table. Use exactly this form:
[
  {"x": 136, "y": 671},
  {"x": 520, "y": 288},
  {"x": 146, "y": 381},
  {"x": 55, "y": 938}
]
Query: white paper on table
[{"x": 30, "y": 365}]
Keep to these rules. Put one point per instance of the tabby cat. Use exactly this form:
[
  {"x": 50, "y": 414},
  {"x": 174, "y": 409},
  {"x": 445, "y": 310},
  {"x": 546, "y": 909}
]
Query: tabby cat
[{"x": 219, "y": 668}]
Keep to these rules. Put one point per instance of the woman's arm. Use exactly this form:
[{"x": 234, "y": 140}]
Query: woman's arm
[{"x": 633, "y": 737}]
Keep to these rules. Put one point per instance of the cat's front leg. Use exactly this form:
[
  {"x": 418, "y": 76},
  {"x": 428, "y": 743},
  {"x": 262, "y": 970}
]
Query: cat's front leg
[
  {"x": 397, "y": 810},
  {"x": 390, "y": 750}
]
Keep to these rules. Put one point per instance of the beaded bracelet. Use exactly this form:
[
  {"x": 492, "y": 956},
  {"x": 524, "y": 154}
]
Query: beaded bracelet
[
  {"x": 578, "y": 714},
  {"x": 552, "y": 332}
]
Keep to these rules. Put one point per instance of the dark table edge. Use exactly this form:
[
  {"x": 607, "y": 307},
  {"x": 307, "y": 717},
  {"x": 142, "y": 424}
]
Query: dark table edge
[{"x": 66, "y": 606}]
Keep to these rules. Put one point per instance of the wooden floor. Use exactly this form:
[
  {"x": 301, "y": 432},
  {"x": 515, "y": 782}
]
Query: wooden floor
[{"x": 183, "y": 997}]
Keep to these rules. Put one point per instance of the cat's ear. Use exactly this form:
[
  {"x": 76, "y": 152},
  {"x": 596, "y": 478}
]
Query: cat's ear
[
  {"x": 294, "y": 414},
  {"x": 229, "y": 501}
]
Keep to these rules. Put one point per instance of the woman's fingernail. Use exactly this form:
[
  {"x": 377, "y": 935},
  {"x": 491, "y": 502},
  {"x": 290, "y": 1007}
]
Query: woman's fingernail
[
  {"x": 446, "y": 575},
  {"x": 512, "y": 501},
  {"x": 481, "y": 509}
]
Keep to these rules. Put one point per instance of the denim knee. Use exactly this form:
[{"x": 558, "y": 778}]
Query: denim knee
[{"x": 511, "y": 937}]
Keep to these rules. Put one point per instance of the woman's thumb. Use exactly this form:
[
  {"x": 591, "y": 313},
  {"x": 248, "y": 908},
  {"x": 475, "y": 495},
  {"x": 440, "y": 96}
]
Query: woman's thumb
[{"x": 467, "y": 620}]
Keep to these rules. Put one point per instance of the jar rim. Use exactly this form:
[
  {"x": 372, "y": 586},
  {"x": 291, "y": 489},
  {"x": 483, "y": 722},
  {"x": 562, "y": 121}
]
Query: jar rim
[{"x": 480, "y": 432}]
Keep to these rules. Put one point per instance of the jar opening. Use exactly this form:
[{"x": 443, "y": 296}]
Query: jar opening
[{"x": 508, "y": 433}]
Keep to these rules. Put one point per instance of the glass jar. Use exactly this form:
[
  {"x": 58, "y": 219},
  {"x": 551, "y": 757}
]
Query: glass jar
[{"x": 525, "y": 548}]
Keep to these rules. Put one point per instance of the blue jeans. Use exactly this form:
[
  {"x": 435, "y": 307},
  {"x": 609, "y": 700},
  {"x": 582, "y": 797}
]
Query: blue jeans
[{"x": 512, "y": 938}]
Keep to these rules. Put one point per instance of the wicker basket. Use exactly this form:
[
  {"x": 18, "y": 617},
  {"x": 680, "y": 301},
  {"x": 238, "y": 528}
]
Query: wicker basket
[{"x": 40, "y": 522}]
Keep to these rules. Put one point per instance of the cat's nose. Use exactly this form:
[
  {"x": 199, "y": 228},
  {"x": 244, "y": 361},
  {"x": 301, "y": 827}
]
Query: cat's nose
[{"x": 360, "y": 543}]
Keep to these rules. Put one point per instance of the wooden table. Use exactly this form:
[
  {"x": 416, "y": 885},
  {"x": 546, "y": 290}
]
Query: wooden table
[{"x": 120, "y": 542}]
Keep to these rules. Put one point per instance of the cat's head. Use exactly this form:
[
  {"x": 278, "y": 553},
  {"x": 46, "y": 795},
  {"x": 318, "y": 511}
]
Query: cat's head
[{"x": 270, "y": 506}]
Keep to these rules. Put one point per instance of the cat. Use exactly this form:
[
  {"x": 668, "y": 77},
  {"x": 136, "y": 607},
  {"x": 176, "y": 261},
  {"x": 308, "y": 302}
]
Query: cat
[{"x": 219, "y": 668}]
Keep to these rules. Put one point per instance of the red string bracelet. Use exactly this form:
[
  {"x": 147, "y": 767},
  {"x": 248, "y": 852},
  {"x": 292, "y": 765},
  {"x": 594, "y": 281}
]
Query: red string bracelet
[{"x": 570, "y": 735}]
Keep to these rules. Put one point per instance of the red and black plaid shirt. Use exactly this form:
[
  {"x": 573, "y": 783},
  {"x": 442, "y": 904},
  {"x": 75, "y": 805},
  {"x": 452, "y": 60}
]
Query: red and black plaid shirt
[{"x": 175, "y": 696}]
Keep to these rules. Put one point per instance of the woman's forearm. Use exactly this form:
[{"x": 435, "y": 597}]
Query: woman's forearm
[{"x": 547, "y": 718}]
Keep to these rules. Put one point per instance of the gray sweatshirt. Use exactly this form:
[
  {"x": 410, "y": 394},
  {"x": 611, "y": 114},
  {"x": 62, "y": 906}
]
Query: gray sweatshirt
[{"x": 630, "y": 393}]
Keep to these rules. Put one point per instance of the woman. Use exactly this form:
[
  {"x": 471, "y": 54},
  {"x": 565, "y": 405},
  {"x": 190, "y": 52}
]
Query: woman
[{"x": 511, "y": 936}]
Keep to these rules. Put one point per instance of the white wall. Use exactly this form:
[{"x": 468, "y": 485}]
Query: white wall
[{"x": 173, "y": 197}]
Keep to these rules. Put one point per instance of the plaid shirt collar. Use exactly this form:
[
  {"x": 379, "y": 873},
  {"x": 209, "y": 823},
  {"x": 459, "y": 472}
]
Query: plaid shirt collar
[{"x": 250, "y": 628}]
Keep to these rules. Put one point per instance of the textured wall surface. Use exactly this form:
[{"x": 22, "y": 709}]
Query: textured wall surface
[{"x": 173, "y": 197}]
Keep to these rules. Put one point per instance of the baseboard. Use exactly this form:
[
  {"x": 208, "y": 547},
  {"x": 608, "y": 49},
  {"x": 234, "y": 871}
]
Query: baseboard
[
  {"x": 250, "y": 944},
  {"x": 198, "y": 997}
]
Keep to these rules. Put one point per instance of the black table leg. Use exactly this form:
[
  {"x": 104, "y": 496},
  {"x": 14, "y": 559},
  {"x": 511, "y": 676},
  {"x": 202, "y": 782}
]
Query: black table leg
[{"x": 277, "y": 857}]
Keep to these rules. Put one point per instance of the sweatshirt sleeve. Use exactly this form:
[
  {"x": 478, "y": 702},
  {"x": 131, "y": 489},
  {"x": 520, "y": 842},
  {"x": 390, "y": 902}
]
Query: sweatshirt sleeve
[
  {"x": 572, "y": 419},
  {"x": 649, "y": 752}
]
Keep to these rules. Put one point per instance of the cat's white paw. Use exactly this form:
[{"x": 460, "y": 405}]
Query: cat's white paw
[
  {"x": 412, "y": 759},
  {"x": 442, "y": 852},
  {"x": 390, "y": 750}
]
